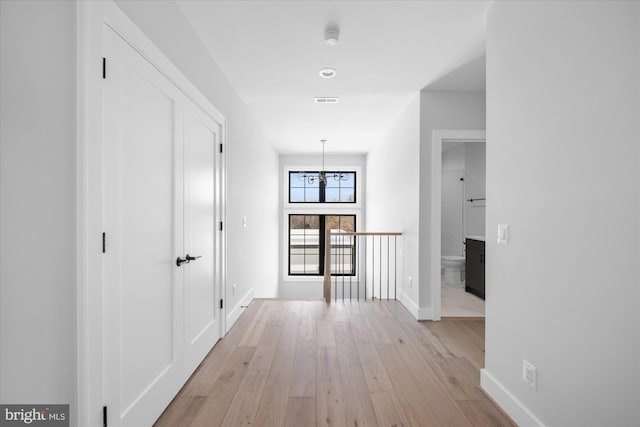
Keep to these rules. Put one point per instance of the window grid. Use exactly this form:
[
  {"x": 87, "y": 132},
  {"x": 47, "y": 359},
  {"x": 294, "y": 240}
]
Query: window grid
[
  {"x": 321, "y": 193},
  {"x": 306, "y": 255}
]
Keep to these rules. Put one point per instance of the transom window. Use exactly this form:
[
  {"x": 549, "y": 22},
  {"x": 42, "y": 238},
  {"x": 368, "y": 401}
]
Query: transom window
[
  {"x": 307, "y": 187},
  {"x": 307, "y": 244}
]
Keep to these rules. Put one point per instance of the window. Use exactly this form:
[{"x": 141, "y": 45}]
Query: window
[
  {"x": 309, "y": 209},
  {"x": 305, "y": 187},
  {"x": 307, "y": 244}
]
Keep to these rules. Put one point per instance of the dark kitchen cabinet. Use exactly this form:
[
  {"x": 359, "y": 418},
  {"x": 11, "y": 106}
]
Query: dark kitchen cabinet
[{"x": 474, "y": 267}]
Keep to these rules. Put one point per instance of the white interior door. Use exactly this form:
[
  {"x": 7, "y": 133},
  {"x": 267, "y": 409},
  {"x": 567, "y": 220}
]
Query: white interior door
[
  {"x": 143, "y": 199},
  {"x": 202, "y": 279}
]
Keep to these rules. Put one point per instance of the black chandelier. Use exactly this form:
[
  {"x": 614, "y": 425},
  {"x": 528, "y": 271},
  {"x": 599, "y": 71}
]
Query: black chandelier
[{"x": 312, "y": 177}]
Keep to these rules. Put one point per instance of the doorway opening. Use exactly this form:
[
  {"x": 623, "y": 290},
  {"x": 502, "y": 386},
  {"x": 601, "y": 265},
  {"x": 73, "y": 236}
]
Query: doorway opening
[{"x": 456, "y": 138}]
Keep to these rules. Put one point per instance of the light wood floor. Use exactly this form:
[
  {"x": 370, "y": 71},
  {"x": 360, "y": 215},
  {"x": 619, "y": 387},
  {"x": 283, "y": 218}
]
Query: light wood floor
[
  {"x": 458, "y": 303},
  {"x": 305, "y": 363}
]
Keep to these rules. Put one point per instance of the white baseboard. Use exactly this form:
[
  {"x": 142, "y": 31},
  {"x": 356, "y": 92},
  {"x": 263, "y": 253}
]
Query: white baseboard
[
  {"x": 425, "y": 313},
  {"x": 236, "y": 311},
  {"x": 411, "y": 307},
  {"x": 419, "y": 313},
  {"x": 507, "y": 401}
]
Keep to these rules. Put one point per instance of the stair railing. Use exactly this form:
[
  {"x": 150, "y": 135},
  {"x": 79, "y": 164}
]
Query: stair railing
[{"x": 354, "y": 263}]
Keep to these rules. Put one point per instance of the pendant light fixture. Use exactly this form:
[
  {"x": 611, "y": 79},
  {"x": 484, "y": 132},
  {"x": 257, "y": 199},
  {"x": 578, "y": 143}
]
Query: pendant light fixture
[{"x": 312, "y": 177}]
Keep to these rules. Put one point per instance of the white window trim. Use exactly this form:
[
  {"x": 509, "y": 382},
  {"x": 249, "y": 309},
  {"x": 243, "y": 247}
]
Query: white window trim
[
  {"x": 333, "y": 206},
  {"x": 315, "y": 209}
]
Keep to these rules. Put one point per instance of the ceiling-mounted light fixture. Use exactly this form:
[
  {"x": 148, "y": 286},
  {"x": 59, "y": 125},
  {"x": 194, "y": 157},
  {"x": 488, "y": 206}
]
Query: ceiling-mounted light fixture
[
  {"x": 321, "y": 176},
  {"x": 327, "y": 73},
  {"x": 331, "y": 34}
]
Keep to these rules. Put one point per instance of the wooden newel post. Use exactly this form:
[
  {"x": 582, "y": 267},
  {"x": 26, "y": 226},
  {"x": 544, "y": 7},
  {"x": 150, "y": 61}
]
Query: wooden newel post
[{"x": 327, "y": 266}]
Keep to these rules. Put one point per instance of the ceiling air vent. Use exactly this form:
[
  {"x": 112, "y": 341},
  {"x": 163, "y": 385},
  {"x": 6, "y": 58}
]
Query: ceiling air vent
[{"x": 327, "y": 100}]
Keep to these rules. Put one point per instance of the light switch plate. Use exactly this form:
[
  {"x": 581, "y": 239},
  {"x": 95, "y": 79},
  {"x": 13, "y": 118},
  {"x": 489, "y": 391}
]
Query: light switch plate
[
  {"x": 503, "y": 234},
  {"x": 530, "y": 374}
]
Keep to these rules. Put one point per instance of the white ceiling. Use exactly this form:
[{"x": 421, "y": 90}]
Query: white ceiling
[{"x": 272, "y": 51}]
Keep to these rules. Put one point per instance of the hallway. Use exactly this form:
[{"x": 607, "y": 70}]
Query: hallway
[{"x": 304, "y": 363}]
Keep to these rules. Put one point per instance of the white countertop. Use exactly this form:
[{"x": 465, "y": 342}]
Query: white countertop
[{"x": 481, "y": 238}]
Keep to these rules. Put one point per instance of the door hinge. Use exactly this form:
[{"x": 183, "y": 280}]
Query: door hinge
[
  {"x": 104, "y": 68},
  {"x": 104, "y": 243},
  {"x": 104, "y": 416},
  {"x": 221, "y": 147},
  {"x": 221, "y": 303},
  {"x": 220, "y": 225}
]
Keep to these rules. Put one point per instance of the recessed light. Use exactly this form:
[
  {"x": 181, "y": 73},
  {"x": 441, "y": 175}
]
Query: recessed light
[{"x": 327, "y": 73}]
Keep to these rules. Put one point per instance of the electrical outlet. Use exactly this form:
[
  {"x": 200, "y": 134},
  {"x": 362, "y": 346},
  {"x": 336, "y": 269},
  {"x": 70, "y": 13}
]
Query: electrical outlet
[
  {"x": 233, "y": 289},
  {"x": 529, "y": 374},
  {"x": 410, "y": 281}
]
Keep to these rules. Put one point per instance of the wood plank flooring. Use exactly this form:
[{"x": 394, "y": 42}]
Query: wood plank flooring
[{"x": 306, "y": 363}]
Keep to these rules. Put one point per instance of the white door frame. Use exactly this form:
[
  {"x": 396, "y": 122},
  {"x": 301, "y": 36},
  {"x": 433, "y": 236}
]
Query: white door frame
[
  {"x": 437, "y": 138},
  {"x": 91, "y": 18}
]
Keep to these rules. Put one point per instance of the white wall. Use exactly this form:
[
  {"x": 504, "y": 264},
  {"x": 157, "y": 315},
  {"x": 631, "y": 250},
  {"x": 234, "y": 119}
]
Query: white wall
[
  {"x": 475, "y": 170},
  {"x": 465, "y": 160},
  {"x": 638, "y": 260},
  {"x": 304, "y": 288},
  {"x": 38, "y": 187},
  {"x": 252, "y": 163},
  {"x": 563, "y": 170},
  {"x": 453, "y": 155},
  {"x": 37, "y": 202},
  {"x": 393, "y": 191},
  {"x": 440, "y": 110},
  {"x": 252, "y": 192},
  {"x": 453, "y": 169}
]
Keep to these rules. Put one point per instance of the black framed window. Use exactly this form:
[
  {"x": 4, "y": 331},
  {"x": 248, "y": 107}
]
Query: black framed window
[
  {"x": 307, "y": 244},
  {"x": 306, "y": 187}
]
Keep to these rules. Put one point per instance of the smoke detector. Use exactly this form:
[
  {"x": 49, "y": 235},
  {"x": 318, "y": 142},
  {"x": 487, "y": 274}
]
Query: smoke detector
[{"x": 331, "y": 35}]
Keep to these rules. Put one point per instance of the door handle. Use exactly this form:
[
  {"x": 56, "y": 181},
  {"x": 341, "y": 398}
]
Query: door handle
[
  {"x": 192, "y": 258},
  {"x": 180, "y": 261}
]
